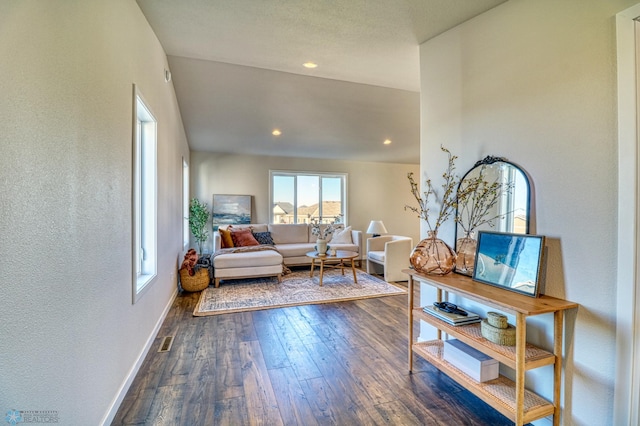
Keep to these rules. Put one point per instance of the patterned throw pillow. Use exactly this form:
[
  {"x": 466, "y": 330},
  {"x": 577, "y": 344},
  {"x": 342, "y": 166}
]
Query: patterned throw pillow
[
  {"x": 264, "y": 238},
  {"x": 243, "y": 237}
]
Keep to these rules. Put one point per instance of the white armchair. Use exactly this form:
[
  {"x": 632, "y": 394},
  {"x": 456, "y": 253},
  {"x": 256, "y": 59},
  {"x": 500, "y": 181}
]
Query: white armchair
[{"x": 389, "y": 253}]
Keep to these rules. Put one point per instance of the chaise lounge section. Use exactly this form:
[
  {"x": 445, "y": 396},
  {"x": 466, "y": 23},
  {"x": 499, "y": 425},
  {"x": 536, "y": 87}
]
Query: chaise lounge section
[{"x": 267, "y": 263}]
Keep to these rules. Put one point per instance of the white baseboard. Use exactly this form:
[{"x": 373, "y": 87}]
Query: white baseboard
[{"x": 124, "y": 388}]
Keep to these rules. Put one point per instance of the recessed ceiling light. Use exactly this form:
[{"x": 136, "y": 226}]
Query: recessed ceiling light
[
  {"x": 387, "y": 142},
  {"x": 310, "y": 65},
  {"x": 276, "y": 132}
]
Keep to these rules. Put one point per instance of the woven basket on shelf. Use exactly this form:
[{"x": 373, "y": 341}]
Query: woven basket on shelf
[
  {"x": 197, "y": 282},
  {"x": 497, "y": 320},
  {"x": 501, "y": 336}
]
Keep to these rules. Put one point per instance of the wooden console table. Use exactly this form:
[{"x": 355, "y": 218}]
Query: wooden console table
[{"x": 508, "y": 397}]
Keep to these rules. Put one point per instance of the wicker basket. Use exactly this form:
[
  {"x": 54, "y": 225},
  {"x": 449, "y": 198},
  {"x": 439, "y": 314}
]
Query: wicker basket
[
  {"x": 497, "y": 320},
  {"x": 197, "y": 282},
  {"x": 500, "y": 336}
]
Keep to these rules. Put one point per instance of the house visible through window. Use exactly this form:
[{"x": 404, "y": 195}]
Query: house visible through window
[
  {"x": 303, "y": 197},
  {"x": 144, "y": 198}
]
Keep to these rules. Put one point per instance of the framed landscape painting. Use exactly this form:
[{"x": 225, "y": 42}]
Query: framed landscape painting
[
  {"x": 231, "y": 209},
  {"x": 511, "y": 261}
]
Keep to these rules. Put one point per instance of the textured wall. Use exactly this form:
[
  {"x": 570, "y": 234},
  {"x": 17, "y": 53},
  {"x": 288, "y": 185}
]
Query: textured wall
[
  {"x": 375, "y": 190},
  {"x": 534, "y": 81},
  {"x": 69, "y": 331}
]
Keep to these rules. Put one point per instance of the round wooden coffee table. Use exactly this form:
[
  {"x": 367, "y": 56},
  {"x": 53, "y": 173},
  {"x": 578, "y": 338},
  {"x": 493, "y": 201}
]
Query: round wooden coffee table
[{"x": 335, "y": 261}]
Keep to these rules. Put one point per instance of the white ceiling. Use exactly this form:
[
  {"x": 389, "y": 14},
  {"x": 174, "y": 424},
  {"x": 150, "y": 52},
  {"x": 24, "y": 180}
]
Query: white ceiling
[{"x": 237, "y": 70}]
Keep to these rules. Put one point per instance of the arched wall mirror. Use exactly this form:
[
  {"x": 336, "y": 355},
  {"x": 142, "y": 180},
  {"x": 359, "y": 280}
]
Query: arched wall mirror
[{"x": 494, "y": 195}]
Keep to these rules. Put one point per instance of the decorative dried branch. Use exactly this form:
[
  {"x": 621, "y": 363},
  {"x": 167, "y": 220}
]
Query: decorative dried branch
[
  {"x": 477, "y": 198},
  {"x": 448, "y": 201},
  {"x": 330, "y": 228}
]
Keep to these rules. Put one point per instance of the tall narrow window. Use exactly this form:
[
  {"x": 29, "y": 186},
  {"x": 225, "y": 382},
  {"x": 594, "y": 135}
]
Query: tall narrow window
[
  {"x": 144, "y": 197},
  {"x": 303, "y": 197},
  {"x": 185, "y": 204}
]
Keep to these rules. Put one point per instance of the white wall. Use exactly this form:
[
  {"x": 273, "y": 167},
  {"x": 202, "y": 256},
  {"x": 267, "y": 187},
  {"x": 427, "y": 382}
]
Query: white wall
[
  {"x": 375, "y": 190},
  {"x": 69, "y": 331},
  {"x": 534, "y": 81}
]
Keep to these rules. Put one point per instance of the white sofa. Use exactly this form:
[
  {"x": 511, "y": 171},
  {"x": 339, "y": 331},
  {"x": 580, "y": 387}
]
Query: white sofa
[
  {"x": 292, "y": 242},
  {"x": 389, "y": 255}
]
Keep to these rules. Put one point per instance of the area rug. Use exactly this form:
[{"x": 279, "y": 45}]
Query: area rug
[{"x": 296, "y": 288}]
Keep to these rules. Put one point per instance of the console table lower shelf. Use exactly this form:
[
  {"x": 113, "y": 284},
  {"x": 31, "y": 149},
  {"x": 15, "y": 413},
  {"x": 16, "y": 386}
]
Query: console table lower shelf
[{"x": 499, "y": 393}]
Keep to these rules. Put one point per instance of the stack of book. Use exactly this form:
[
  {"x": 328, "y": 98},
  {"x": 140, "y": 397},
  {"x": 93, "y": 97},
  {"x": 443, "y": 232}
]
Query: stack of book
[{"x": 453, "y": 319}]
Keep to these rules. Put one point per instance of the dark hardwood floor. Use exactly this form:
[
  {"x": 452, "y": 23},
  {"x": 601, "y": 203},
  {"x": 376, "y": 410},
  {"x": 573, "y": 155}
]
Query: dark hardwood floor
[{"x": 333, "y": 364}]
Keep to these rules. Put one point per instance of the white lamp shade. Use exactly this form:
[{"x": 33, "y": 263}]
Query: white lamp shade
[{"x": 376, "y": 227}]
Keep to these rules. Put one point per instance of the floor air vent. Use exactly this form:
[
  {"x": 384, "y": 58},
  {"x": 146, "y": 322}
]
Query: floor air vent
[{"x": 166, "y": 344}]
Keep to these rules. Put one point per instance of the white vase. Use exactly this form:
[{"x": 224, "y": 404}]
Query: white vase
[{"x": 321, "y": 246}]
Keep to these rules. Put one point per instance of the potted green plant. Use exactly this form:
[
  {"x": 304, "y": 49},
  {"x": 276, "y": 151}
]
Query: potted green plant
[{"x": 198, "y": 217}]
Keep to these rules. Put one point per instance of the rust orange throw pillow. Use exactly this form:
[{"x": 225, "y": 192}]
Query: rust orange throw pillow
[
  {"x": 227, "y": 241},
  {"x": 243, "y": 237},
  {"x": 189, "y": 262}
]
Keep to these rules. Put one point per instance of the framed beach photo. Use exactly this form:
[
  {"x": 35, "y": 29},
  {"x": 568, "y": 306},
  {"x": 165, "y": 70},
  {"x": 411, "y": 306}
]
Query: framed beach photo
[
  {"x": 231, "y": 209},
  {"x": 510, "y": 261}
]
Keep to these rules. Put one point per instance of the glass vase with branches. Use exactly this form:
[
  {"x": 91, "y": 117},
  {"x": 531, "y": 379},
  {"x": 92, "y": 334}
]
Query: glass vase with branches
[{"x": 432, "y": 255}]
